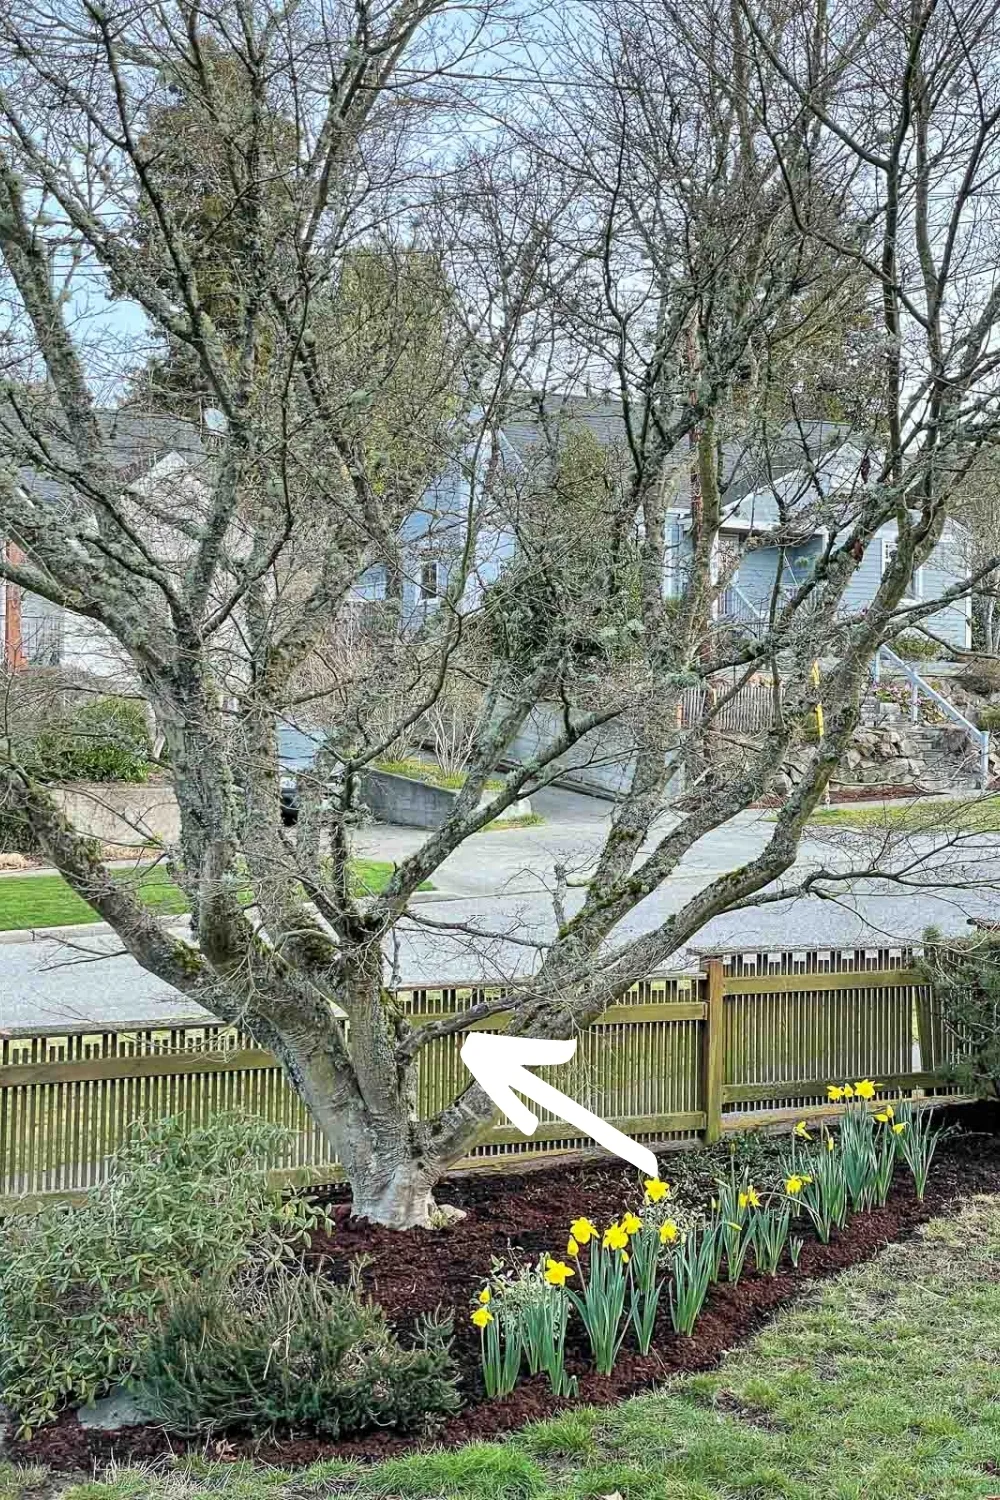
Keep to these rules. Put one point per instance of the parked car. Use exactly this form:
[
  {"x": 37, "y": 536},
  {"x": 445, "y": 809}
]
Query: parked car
[{"x": 297, "y": 751}]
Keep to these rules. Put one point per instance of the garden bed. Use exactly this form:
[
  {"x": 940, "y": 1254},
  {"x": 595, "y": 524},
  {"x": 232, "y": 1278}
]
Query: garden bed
[{"x": 529, "y": 1213}]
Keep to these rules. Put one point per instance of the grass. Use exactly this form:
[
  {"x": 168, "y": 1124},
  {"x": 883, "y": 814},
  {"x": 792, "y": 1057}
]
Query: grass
[
  {"x": 430, "y": 771},
  {"x": 47, "y": 901},
  {"x": 884, "y": 1383},
  {"x": 943, "y": 814}
]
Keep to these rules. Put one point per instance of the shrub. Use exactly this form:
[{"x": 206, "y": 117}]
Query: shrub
[
  {"x": 293, "y": 1351},
  {"x": 982, "y": 676},
  {"x": 16, "y": 833},
  {"x": 989, "y": 717},
  {"x": 912, "y": 646},
  {"x": 106, "y": 740},
  {"x": 80, "y": 1289},
  {"x": 965, "y": 977}
]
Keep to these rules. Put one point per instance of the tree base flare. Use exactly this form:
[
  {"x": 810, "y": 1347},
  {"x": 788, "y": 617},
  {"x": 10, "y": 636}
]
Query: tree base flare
[{"x": 405, "y": 1201}]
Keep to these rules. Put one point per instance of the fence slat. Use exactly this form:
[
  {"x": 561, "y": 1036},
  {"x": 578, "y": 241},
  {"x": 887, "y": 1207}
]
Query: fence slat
[{"x": 752, "y": 1039}]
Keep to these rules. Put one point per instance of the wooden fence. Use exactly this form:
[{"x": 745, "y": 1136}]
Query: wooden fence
[{"x": 747, "y": 1040}]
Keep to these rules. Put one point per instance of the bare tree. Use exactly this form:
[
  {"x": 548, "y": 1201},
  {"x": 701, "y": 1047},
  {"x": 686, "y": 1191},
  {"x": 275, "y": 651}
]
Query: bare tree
[{"x": 677, "y": 227}]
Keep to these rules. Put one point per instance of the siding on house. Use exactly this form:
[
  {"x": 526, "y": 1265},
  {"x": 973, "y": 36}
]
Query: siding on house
[{"x": 942, "y": 571}]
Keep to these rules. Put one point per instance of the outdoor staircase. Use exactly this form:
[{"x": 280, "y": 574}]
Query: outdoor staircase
[{"x": 955, "y": 752}]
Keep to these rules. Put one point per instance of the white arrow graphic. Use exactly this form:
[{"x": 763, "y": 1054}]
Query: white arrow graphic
[{"x": 500, "y": 1064}]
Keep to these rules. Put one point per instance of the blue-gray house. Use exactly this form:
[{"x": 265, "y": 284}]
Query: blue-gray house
[{"x": 804, "y": 494}]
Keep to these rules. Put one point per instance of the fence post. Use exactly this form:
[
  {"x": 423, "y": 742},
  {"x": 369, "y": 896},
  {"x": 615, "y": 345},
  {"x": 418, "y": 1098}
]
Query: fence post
[{"x": 713, "y": 1051}]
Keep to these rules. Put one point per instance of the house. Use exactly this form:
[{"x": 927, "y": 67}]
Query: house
[
  {"x": 778, "y": 515},
  {"x": 157, "y": 457},
  {"x": 777, "y": 518}
]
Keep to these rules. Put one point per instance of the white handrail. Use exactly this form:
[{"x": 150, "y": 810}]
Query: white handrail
[{"x": 979, "y": 737}]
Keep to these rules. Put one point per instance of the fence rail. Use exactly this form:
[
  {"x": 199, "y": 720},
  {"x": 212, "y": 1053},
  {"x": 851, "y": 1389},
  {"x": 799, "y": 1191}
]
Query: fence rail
[{"x": 747, "y": 1039}]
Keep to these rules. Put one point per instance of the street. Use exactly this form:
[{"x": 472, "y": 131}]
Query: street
[{"x": 496, "y": 890}]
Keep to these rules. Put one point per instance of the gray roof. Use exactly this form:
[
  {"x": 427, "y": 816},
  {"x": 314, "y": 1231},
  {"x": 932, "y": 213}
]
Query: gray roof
[
  {"x": 136, "y": 442},
  {"x": 746, "y": 466}
]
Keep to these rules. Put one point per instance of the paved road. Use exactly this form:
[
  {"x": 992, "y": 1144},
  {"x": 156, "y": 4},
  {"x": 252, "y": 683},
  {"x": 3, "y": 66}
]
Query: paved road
[
  {"x": 49, "y": 983},
  {"x": 499, "y": 884}
]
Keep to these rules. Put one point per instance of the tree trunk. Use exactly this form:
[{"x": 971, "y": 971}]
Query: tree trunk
[{"x": 396, "y": 1194}]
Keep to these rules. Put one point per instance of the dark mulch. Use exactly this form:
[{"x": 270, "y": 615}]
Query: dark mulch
[{"x": 530, "y": 1213}]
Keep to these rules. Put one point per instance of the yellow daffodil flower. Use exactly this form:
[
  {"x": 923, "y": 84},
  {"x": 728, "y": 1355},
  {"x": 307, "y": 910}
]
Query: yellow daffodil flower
[
  {"x": 883, "y": 1117},
  {"x": 485, "y": 1296},
  {"x": 582, "y": 1231},
  {"x": 830, "y": 1143},
  {"x": 794, "y": 1185},
  {"x": 835, "y": 1093},
  {"x": 847, "y": 1092},
  {"x": 655, "y": 1189},
  {"x": 572, "y": 1248},
  {"x": 482, "y": 1317},
  {"x": 866, "y": 1089},
  {"x": 624, "y": 1257},
  {"x": 615, "y": 1237},
  {"x": 899, "y": 1127},
  {"x": 557, "y": 1272},
  {"x": 669, "y": 1233},
  {"x": 631, "y": 1223},
  {"x": 801, "y": 1131}
]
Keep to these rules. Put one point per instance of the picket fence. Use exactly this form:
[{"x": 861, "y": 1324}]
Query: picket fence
[{"x": 746, "y": 1040}]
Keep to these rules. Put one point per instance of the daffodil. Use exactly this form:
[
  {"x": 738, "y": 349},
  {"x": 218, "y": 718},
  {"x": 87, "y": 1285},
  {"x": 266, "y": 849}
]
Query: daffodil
[
  {"x": 669, "y": 1233},
  {"x": 847, "y": 1092},
  {"x": 482, "y": 1317},
  {"x": 655, "y": 1189},
  {"x": 582, "y": 1231},
  {"x": 834, "y": 1093},
  {"x": 615, "y": 1237},
  {"x": 830, "y": 1143},
  {"x": 801, "y": 1131},
  {"x": 899, "y": 1127},
  {"x": 866, "y": 1089},
  {"x": 744, "y": 1200},
  {"x": 557, "y": 1272},
  {"x": 572, "y": 1248},
  {"x": 631, "y": 1223},
  {"x": 485, "y": 1296},
  {"x": 794, "y": 1185},
  {"x": 624, "y": 1257}
]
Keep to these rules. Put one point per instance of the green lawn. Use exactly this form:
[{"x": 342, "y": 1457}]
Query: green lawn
[
  {"x": 47, "y": 901},
  {"x": 941, "y": 815},
  {"x": 881, "y": 1385}
]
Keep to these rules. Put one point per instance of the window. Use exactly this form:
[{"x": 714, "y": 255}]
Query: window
[
  {"x": 916, "y": 585},
  {"x": 428, "y": 580}
]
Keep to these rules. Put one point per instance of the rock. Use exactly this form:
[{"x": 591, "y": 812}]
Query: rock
[
  {"x": 112, "y": 1412},
  {"x": 445, "y": 1214}
]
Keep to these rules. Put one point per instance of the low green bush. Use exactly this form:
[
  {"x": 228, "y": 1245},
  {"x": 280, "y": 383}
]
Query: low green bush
[
  {"x": 989, "y": 717},
  {"x": 106, "y": 740},
  {"x": 294, "y": 1351},
  {"x": 912, "y": 646},
  {"x": 81, "y": 1289}
]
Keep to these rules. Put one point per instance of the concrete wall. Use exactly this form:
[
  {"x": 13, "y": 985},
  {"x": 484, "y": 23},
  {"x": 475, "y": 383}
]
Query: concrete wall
[
  {"x": 418, "y": 804},
  {"x": 601, "y": 763},
  {"x": 122, "y": 812}
]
